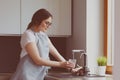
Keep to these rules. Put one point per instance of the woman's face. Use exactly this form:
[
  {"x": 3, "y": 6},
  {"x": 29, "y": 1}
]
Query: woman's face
[{"x": 45, "y": 24}]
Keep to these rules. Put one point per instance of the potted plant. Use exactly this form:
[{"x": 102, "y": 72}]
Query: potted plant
[{"x": 102, "y": 62}]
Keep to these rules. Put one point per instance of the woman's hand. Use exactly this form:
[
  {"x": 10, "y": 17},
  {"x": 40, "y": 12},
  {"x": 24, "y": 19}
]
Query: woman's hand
[
  {"x": 76, "y": 69},
  {"x": 67, "y": 64}
]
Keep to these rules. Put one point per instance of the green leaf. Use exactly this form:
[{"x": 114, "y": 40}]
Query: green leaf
[{"x": 102, "y": 61}]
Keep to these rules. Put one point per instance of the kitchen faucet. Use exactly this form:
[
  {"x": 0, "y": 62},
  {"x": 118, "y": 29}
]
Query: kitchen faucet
[
  {"x": 85, "y": 58},
  {"x": 84, "y": 67},
  {"x": 78, "y": 51}
]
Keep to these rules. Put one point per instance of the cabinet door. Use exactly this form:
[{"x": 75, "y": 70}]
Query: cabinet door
[
  {"x": 60, "y": 9},
  {"x": 9, "y": 16}
]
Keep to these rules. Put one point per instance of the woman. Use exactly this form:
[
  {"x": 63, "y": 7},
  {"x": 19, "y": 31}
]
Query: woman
[{"x": 36, "y": 47}]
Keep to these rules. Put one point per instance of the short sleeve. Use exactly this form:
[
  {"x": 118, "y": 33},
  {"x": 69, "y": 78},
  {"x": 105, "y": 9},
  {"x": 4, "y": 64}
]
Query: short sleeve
[{"x": 26, "y": 38}]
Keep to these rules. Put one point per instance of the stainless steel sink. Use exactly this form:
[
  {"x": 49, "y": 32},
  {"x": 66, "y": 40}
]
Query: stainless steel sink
[
  {"x": 70, "y": 75},
  {"x": 62, "y": 75}
]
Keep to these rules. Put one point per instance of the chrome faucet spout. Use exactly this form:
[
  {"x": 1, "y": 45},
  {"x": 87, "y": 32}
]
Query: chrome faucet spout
[
  {"x": 83, "y": 52},
  {"x": 82, "y": 55},
  {"x": 85, "y": 67},
  {"x": 85, "y": 58},
  {"x": 77, "y": 51}
]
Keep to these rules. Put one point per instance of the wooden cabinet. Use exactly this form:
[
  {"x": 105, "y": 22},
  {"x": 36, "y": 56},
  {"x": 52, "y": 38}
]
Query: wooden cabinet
[
  {"x": 16, "y": 15},
  {"x": 60, "y": 9},
  {"x": 9, "y": 16}
]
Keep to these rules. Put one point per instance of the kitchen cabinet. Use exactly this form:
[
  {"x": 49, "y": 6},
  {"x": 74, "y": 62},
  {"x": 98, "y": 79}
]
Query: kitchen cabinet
[
  {"x": 9, "y": 16},
  {"x": 60, "y": 9},
  {"x": 16, "y": 15}
]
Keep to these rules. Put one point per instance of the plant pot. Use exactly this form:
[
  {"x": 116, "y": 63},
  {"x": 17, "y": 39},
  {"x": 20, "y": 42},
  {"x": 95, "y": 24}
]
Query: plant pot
[{"x": 101, "y": 70}]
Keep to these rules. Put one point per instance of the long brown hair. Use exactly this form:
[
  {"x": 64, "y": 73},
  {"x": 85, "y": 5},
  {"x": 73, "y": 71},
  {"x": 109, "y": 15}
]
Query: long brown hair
[{"x": 38, "y": 17}]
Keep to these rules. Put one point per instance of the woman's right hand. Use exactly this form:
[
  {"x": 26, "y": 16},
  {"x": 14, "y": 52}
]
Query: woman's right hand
[{"x": 67, "y": 64}]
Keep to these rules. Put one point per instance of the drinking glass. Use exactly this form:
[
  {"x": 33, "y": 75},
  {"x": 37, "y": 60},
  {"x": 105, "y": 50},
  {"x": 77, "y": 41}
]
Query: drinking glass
[{"x": 72, "y": 61}]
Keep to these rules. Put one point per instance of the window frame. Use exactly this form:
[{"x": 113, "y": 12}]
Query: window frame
[{"x": 109, "y": 33}]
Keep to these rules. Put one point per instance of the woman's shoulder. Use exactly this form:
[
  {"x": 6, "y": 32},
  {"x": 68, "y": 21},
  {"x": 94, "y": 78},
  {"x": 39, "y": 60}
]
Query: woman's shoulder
[
  {"x": 28, "y": 32},
  {"x": 27, "y": 36}
]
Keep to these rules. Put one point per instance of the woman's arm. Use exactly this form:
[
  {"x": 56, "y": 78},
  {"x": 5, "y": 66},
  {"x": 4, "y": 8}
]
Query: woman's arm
[
  {"x": 54, "y": 52},
  {"x": 33, "y": 52}
]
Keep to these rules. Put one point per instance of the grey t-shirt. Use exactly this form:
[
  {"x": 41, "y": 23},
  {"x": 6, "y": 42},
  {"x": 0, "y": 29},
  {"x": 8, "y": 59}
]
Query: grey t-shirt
[{"x": 27, "y": 69}]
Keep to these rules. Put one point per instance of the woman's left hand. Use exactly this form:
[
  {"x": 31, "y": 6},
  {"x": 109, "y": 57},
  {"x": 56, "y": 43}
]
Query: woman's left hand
[
  {"x": 70, "y": 64},
  {"x": 67, "y": 64}
]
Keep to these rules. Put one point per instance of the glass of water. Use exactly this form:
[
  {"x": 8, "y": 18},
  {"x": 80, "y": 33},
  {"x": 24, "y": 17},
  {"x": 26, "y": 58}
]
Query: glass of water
[{"x": 72, "y": 61}]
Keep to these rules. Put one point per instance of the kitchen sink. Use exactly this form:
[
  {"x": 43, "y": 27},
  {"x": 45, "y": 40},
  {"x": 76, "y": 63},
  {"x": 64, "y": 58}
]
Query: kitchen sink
[
  {"x": 70, "y": 75},
  {"x": 62, "y": 75}
]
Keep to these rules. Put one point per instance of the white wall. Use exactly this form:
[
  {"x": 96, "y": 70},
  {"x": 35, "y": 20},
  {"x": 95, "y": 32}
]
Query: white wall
[
  {"x": 116, "y": 70},
  {"x": 95, "y": 30},
  {"x": 87, "y": 31}
]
